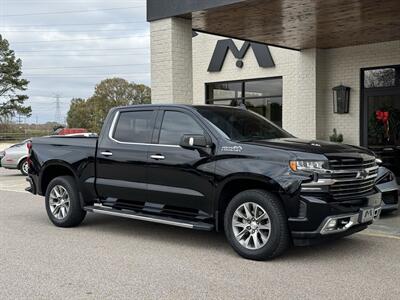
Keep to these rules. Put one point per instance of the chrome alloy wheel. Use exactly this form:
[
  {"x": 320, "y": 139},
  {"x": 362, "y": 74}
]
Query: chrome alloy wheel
[
  {"x": 25, "y": 167},
  {"x": 59, "y": 202},
  {"x": 251, "y": 225}
]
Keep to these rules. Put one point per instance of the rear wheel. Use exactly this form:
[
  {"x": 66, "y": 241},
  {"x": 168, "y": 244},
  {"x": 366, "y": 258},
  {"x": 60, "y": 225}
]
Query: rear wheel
[
  {"x": 24, "y": 167},
  {"x": 256, "y": 225},
  {"x": 62, "y": 202}
]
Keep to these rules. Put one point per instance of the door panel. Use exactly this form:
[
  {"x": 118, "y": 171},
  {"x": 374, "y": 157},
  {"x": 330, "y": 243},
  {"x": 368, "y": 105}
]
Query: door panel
[
  {"x": 122, "y": 175},
  {"x": 179, "y": 177},
  {"x": 183, "y": 179},
  {"x": 122, "y": 157}
]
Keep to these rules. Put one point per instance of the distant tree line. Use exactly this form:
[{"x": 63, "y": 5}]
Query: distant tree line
[{"x": 90, "y": 113}]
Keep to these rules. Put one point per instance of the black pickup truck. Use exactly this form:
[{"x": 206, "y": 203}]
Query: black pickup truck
[{"x": 210, "y": 168}]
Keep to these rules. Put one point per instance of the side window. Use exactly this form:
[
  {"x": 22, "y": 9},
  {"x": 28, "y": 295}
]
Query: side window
[
  {"x": 134, "y": 126},
  {"x": 175, "y": 124}
]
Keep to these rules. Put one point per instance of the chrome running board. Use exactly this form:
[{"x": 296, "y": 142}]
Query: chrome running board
[{"x": 100, "y": 209}]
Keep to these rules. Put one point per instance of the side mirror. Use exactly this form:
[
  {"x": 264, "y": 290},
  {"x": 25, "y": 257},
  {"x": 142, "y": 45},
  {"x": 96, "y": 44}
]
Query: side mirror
[{"x": 194, "y": 141}]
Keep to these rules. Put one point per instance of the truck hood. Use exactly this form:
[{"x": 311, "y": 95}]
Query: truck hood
[{"x": 311, "y": 146}]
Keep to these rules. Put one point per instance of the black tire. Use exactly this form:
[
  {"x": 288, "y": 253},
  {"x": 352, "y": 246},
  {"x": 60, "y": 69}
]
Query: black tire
[
  {"x": 279, "y": 237},
  {"x": 22, "y": 168},
  {"x": 75, "y": 214}
]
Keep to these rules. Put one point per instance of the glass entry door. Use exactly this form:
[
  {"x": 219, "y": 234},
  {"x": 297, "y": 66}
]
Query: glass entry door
[{"x": 381, "y": 114}]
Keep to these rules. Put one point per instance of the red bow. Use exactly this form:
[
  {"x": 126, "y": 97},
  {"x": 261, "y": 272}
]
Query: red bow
[{"x": 382, "y": 116}]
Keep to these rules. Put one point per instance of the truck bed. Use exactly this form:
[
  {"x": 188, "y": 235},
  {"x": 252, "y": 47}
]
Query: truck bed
[{"x": 76, "y": 153}]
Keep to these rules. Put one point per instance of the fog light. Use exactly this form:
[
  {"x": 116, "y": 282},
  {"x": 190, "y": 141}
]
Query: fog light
[{"x": 331, "y": 224}]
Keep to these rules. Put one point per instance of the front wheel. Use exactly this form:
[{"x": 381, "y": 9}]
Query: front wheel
[
  {"x": 256, "y": 225},
  {"x": 62, "y": 202}
]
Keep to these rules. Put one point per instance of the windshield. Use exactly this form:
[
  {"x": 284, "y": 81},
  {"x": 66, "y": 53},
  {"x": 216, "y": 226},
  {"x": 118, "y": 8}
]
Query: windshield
[{"x": 240, "y": 124}]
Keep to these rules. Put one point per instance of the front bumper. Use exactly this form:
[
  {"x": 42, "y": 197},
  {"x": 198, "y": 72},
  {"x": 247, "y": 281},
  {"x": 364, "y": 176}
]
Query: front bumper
[{"x": 316, "y": 213}]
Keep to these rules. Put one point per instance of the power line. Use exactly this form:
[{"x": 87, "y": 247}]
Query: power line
[
  {"x": 86, "y": 49},
  {"x": 79, "y": 67},
  {"x": 85, "y": 2},
  {"x": 74, "y": 24},
  {"x": 85, "y": 55},
  {"x": 91, "y": 76},
  {"x": 92, "y": 30},
  {"x": 76, "y": 40},
  {"x": 72, "y": 11},
  {"x": 45, "y": 75}
]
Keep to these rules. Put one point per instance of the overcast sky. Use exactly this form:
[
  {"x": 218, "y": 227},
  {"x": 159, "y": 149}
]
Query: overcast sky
[{"x": 67, "y": 47}]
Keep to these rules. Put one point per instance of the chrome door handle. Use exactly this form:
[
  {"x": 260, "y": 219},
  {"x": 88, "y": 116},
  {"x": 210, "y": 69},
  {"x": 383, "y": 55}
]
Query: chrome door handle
[
  {"x": 157, "y": 156},
  {"x": 106, "y": 153}
]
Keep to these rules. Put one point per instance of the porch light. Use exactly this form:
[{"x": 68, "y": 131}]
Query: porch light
[{"x": 341, "y": 99}]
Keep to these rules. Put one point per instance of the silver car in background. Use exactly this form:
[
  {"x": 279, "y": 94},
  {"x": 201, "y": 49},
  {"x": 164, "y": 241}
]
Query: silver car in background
[{"x": 15, "y": 157}]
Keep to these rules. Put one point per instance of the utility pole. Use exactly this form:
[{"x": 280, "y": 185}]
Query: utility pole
[{"x": 57, "y": 115}]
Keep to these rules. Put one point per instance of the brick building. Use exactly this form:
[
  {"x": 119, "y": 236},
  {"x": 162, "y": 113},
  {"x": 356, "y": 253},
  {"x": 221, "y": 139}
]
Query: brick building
[{"x": 282, "y": 59}]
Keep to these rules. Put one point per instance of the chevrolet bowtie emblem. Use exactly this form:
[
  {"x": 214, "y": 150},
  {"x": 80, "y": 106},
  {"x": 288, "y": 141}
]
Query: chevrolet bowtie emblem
[{"x": 362, "y": 174}]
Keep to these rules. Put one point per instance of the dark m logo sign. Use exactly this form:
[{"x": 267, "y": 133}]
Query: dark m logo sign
[{"x": 261, "y": 53}]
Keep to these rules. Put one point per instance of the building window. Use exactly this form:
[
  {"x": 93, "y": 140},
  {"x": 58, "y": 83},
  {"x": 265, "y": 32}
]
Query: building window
[
  {"x": 382, "y": 77},
  {"x": 263, "y": 96}
]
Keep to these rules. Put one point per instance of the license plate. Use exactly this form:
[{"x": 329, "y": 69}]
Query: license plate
[{"x": 367, "y": 215}]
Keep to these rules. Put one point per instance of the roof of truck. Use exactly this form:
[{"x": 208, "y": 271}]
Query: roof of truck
[{"x": 174, "y": 105}]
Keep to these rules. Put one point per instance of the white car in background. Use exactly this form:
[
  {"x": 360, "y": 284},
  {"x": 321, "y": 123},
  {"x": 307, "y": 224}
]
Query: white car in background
[{"x": 15, "y": 157}]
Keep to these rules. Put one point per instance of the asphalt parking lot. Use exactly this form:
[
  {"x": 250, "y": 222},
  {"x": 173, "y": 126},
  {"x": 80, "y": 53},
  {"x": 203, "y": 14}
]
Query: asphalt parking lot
[{"x": 108, "y": 257}]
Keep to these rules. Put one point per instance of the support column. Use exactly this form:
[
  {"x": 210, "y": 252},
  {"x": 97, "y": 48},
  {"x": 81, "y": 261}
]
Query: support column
[
  {"x": 171, "y": 61},
  {"x": 300, "y": 115}
]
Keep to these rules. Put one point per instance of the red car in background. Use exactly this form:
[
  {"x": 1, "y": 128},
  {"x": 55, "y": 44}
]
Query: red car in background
[{"x": 66, "y": 131}]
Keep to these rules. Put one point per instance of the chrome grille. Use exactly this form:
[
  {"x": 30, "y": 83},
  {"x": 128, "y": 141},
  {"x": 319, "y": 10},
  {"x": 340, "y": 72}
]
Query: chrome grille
[
  {"x": 353, "y": 177},
  {"x": 351, "y": 163}
]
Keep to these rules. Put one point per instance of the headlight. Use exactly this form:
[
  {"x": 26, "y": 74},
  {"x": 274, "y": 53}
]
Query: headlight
[
  {"x": 378, "y": 161},
  {"x": 307, "y": 165},
  {"x": 388, "y": 177}
]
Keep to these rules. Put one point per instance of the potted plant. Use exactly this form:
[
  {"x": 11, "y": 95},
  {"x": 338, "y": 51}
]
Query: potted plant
[{"x": 335, "y": 137}]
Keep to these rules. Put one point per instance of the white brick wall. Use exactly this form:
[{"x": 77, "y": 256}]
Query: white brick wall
[{"x": 171, "y": 61}]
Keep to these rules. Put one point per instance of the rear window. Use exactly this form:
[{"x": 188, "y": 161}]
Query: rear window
[{"x": 135, "y": 126}]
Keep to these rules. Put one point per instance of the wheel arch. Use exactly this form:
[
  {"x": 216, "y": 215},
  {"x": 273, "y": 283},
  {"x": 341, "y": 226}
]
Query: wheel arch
[
  {"x": 52, "y": 170},
  {"x": 21, "y": 160},
  {"x": 238, "y": 183}
]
